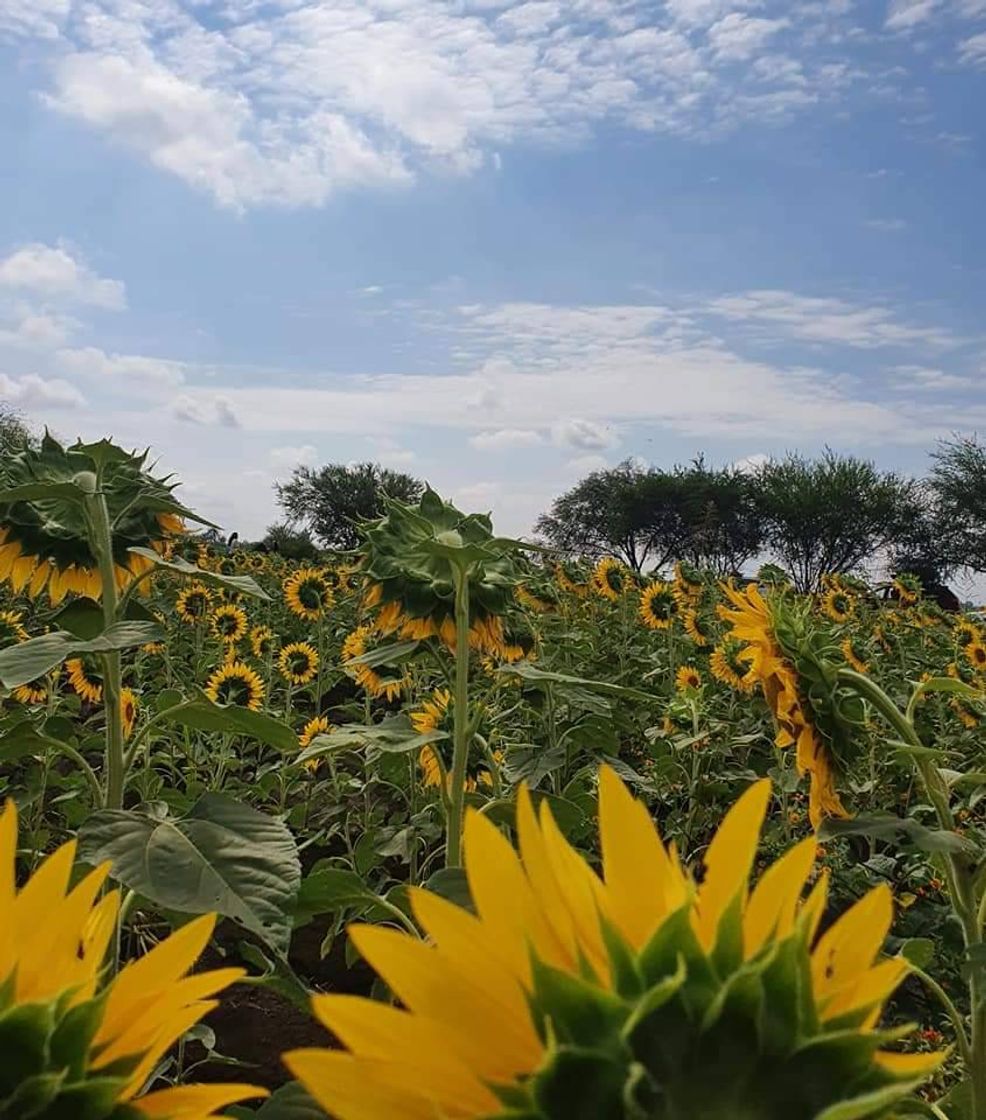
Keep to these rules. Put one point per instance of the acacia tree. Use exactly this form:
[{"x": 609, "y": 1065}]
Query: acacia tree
[
  {"x": 831, "y": 514},
  {"x": 333, "y": 500},
  {"x": 719, "y": 524},
  {"x": 14, "y": 433},
  {"x": 958, "y": 485}
]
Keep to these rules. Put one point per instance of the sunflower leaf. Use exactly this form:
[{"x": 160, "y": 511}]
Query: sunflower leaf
[
  {"x": 204, "y": 715},
  {"x": 29, "y": 660},
  {"x": 246, "y": 585}
]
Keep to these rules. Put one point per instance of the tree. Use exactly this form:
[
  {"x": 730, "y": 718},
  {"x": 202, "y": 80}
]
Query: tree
[
  {"x": 14, "y": 433},
  {"x": 331, "y": 501},
  {"x": 831, "y": 514},
  {"x": 292, "y": 544},
  {"x": 958, "y": 483},
  {"x": 718, "y": 518}
]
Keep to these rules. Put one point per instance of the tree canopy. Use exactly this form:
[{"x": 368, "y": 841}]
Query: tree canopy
[
  {"x": 14, "y": 433},
  {"x": 331, "y": 501},
  {"x": 958, "y": 485}
]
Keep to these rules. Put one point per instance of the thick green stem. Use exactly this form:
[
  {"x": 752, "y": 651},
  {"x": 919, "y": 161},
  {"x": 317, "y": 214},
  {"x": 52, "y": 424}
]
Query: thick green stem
[
  {"x": 102, "y": 544},
  {"x": 460, "y": 753},
  {"x": 958, "y": 875}
]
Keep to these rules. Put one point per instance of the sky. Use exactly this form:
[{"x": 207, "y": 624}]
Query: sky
[{"x": 496, "y": 244}]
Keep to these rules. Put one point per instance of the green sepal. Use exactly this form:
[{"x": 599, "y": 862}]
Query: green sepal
[
  {"x": 870, "y": 1104},
  {"x": 33, "y": 1096},
  {"x": 580, "y": 1085},
  {"x": 25, "y": 1031},
  {"x": 95, "y": 1098},
  {"x": 788, "y": 1014},
  {"x": 675, "y": 939},
  {"x": 627, "y": 980},
  {"x": 72, "y": 1037},
  {"x": 581, "y": 1013}
]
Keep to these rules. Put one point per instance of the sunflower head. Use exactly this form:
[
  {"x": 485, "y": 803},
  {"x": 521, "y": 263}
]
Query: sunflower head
[
  {"x": 566, "y": 992},
  {"x": 308, "y": 594},
  {"x": 519, "y": 639},
  {"x": 688, "y": 678},
  {"x": 85, "y": 678},
  {"x": 45, "y": 538},
  {"x": 967, "y": 715},
  {"x": 967, "y": 631},
  {"x": 659, "y": 606},
  {"x": 229, "y": 623},
  {"x": 856, "y": 654},
  {"x": 537, "y": 596},
  {"x": 194, "y": 603},
  {"x": 262, "y": 642},
  {"x": 571, "y": 579},
  {"x": 318, "y": 725},
  {"x": 698, "y": 628},
  {"x": 838, "y": 604},
  {"x": 236, "y": 683},
  {"x": 298, "y": 663},
  {"x": 611, "y": 579},
  {"x": 770, "y": 575},
  {"x": 412, "y": 557},
  {"x": 378, "y": 680},
  {"x": 79, "y": 1042},
  {"x": 975, "y": 654},
  {"x": 908, "y": 589},
  {"x": 34, "y": 692},
  {"x": 727, "y": 665},
  {"x": 11, "y": 628},
  {"x": 128, "y": 711}
]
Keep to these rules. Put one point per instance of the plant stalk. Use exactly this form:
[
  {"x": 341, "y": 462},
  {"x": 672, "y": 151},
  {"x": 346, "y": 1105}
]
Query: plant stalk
[{"x": 460, "y": 752}]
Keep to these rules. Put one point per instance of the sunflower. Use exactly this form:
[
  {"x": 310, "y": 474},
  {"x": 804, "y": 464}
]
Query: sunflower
[
  {"x": 262, "y": 642},
  {"x": 11, "y": 630},
  {"x": 520, "y": 642},
  {"x": 308, "y": 594},
  {"x": 536, "y": 599},
  {"x": 630, "y": 992},
  {"x": 968, "y": 716},
  {"x": 34, "y": 692},
  {"x": 687, "y": 677},
  {"x": 975, "y": 653},
  {"x": 966, "y": 631},
  {"x": 855, "y": 655},
  {"x": 610, "y": 579},
  {"x": 379, "y": 680},
  {"x": 658, "y": 606},
  {"x": 570, "y": 580},
  {"x": 318, "y": 726},
  {"x": 687, "y": 581},
  {"x": 839, "y": 606},
  {"x": 90, "y": 1039},
  {"x": 194, "y": 603},
  {"x": 298, "y": 663},
  {"x": 45, "y": 543},
  {"x": 697, "y": 628},
  {"x": 752, "y": 621},
  {"x": 908, "y": 589},
  {"x": 435, "y": 714},
  {"x": 84, "y": 680},
  {"x": 432, "y": 712},
  {"x": 128, "y": 711},
  {"x": 228, "y": 623},
  {"x": 727, "y": 666},
  {"x": 235, "y": 683}
]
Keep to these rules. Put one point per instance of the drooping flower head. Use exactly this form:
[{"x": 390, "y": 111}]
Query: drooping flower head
[
  {"x": 799, "y": 686},
  {"x": 44, "y": 532},
  {"x": 73, "y": 1044},
  {"x": 262, "y": 641},
  {"x": 907, "y": 588},
  {"x": 698, "y": 628},
  {"x": 378, "y": 680},
  {"x": 85, "y": 678},
  {"x": 632, "y": 993},
  {"x": 855, "y": 654},
  {"x": 838, "y": 605},
  {"x": 11, "y": 628},
  {"x": 727, "y": 665}
]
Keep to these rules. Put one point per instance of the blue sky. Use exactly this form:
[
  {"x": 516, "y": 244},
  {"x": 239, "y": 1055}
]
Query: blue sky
[{"x": 497, "y": 244}]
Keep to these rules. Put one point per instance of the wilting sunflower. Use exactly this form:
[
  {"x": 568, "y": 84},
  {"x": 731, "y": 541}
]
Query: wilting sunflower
[
  {"x": 752, "y": 621},
  {"x": 536, "y": 597},
  {"x": 378, "y": 680},
  {"x": 968, "y": 716},
  {"x": 88, "y": 1040},
  {"x": 298, "y": 663},
  {"x": 687, "y": 581},
  {"x": 633, "y": 992},
  {"x": 45, "y": 542},
  {"x": 128, "y": 711},
  {"x": 318, "y": 726},
  {"x": 236, "y": 683},
  {"x": 571, "y": 580},
  {"x": 262, "y": 641},
  {"x": 698, "y": 628},
  {"x": 519, "y": 640},
  {"x": 687, "y": 677},
  {"x": 975, "y": 653},
  {"x": 194, "y": 603},
  {"x": 84, "y": 679},
  {"x": 855, "y": 655},
  {"x": 838, "y": 605},
  {"x": 11, "y": 629},
  {"x": 435, "y": 714},
  {"x": 610, "y": 579},
  {"x": 908, "y": 588},
  {"x": 727, "y": 665},
  {"x": 228, "y": 623},
  {"x": 308, "y": 594},
  {"x": 658, "y": 606}
]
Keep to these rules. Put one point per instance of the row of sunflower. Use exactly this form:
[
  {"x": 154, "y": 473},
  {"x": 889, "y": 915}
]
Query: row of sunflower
[{"x": 446, "y": 690}]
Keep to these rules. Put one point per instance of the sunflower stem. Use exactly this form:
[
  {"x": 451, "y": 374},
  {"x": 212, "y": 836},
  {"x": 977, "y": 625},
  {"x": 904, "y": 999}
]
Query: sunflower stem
[
  {"x": 101, "y": 540},
  {"x": 460, "y": 753}
]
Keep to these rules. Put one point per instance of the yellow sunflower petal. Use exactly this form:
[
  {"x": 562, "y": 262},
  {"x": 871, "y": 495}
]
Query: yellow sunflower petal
[
  {"x": 351, "y": 1088},
  {"x": 774, "y": 901},
  {"x": 848, "y": 947},
  {"x": 194, "y": 1102}
]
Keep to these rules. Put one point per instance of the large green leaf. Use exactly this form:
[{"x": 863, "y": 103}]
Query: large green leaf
[
  {"x": 245, "y": 584},
  {"x": 32, "y": 659},
  {"x": 393, "y": 736},
  {"x": 386, "y": 655},
  {"x": 290, "y": 1102},
  {"x": 203, "y": 715},
  {"x": 20, "y": 737},
  {"x": 535, "y": 676},
  {"x": 887, "y": 827},
  {"x": 326, "y": 889},
  {"x": 224, "y": 856}
]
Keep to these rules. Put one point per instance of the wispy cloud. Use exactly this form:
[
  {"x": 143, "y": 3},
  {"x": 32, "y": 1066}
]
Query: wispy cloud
[{"x": 52, "y": 273}]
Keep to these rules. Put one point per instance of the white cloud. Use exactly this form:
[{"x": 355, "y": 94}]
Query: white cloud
[
  {"x": 503, "y": 439},
  {"x": 973, "y": 49},
  {"x": 130, "y": 369},
  {"x": 285, "y": 459},
  {"x": 41, "y": 18},
  {"x": 34, "y": 392},
  {"x": 824, "y": 320},
  {"x": 205, "y": 409},
  {"x": 902, "y": 15},
  {"x": 923, "y": 379},
  {"x": 54, "y": 274},
  {"x": 583, "y": 435},
  {"x": 37, "y": 329},
  {"x": 586, "y": 464},
  {"x": 284, "y": 103},
  {"x": 750, "y": 464}
]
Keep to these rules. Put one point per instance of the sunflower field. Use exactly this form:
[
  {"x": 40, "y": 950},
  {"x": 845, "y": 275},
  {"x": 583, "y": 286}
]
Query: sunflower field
[{"x": 452, "y": 826}]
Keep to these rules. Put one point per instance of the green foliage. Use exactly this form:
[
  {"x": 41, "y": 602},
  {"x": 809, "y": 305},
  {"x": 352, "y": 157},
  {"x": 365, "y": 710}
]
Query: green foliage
[{"x": 958, "y": 483}]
